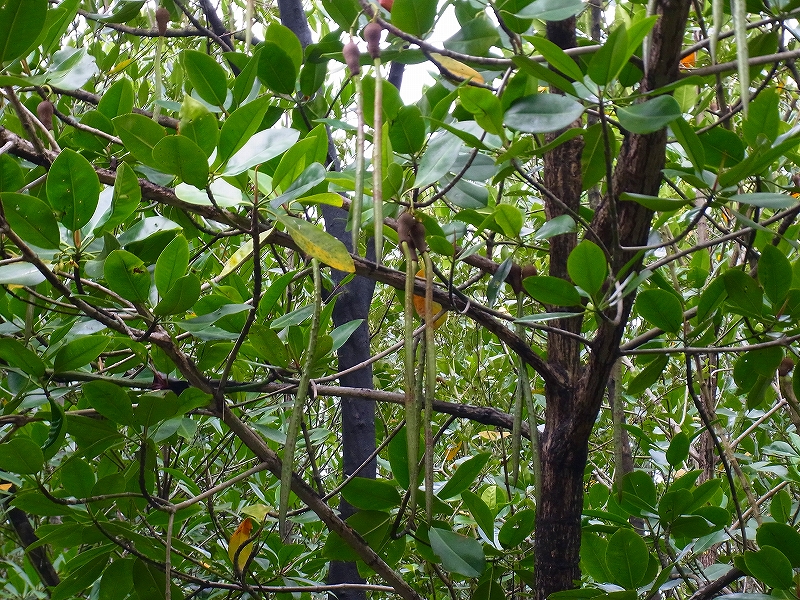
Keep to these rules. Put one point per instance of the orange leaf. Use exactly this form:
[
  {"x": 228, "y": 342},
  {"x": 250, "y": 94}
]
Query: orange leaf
[
  {"x": 239, "y": 537},
  {"x": 687, "y": 62},
  {"x": 454, "y": 67}
]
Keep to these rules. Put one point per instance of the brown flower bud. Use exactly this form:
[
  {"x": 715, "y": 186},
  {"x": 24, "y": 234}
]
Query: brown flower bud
[
  {"x": 786, "y": 366},
  {"x": 162, "y": 19},
  {"x": 372, "y": 34},
  {"x": 351, "y": 57},
  {"x": 418, "y": 235},
  {"x": 44, "y": 110},
  {"x": 405, "y": 224}
]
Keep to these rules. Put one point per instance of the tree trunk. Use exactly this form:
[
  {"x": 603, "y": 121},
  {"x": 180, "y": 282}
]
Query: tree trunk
[{"x": 574, "y": 401}]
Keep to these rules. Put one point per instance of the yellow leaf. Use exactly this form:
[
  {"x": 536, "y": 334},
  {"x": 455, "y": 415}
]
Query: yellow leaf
[
  {"x": 120, "y": 66},
  {"x": 244, "y": 252},
  {"x": 450, "y": 66},
  {"x": 436, "y": 308},
  {"x": 493, "y": 435},
  {"x": 319, "y": 244},
  {"x": 239, "y": 537},
  {"x": 452, "y": 451}
]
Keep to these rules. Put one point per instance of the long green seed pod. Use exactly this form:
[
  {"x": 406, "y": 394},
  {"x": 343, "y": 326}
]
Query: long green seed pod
[
  {"x": 516, "y": 428},
  {"x": 412, "y": 413},
  {"x": 299, "y": 403},
  {"x": 524, "y": 387},
  {"x": 358, "y": 194},
  {"x": 372, "y": 34},
  {"x": 430, "y": 384},
  {"x": 742, "y": 54},
  {"x": 717, "y": 15}
]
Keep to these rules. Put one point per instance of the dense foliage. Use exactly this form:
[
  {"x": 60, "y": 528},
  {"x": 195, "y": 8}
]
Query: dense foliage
[{"x": 197, "y": 302}]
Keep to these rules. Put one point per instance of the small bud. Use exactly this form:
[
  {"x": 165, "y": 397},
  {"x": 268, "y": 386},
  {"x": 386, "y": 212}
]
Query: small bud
[
  {"x": 162, "y": 19},
  {"x": 387, "y": 4},
  {"x": 44, "y": 111},
  {"x": 372, "y": 34},
  {"x": 405, "y": 224},
  {"x": 351, "y": 57},
  {"x": 418, "y": 235}
]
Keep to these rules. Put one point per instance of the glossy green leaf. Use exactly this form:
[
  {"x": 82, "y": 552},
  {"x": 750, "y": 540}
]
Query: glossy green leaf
[
  {"x": 117, "y": 100},
  {"x": 661, "y": 308},
  {"x": 407, "y": 130},
  {"x": 484, "y": 106},
  {"x": 688, "y": 138},
  {"x": 678, "y": 450},
  {"x": 80, "y": 352},
  {"x": 783, "y": 537},
  {"x": 765, "y": 200},
  {"x": 606, "y": 63},
  {"x": 587, "y": 267},
  {"x": 276, "y": 68},
  {"x": 414, "y": 16},
  {"x": 81, "y": 577},
  {"x": 371, "y": 494},
  {"x": 20, "y": 24},
  {"x": 240, "y": 126},
  {"x": 654, "y": 202},
  {"x": 480, "y": 512},
  {"x": 542, "y": 113},
  {"x": 552, "y": 290},
  {"x": 744, "y": 292},
  {"x": 556, "y": 57},
  {"x": 127, "y": 275},
  {"x": 459, "y": 554},
  {"x": 465, "y": 475},
  {"x": 650, "y": 115},
  {"x": 11, "y": 176},
  {"x": 110, "y": 400},
  {"x": 207, "y": 77},
  {"x": 593, "y": 556},
  {"x": 284, "y": 38},
  {"x": 438, "y": 159},
  {"x": 517, "y": 528},
  {"x": 140, "y": 135},
  {"x": 73, "y": 189},
  {"x": 179, "y": 155},
  {"x": 77, "y": 477},
  {"x": 764, "y": 118},
  {"x": 260, "y": 148},
  {"x": 21, "y": 357},
  {"x": 180, "y": 297},
  {"x": 21, "y": 455},
  {"x": 648, "y": 376},
  {"x": 117, "y": 579},
  {"x": 31, "y": 219},
  {"x": 552, "y": 10},
  {"x": 625, "y": 556},
  {"x": 509, "y": 218},
  {"x": 122, "y": 12},
  {"x": 774, "y": 274},
  {"x": 171, "y": 264},
  {"x": 771, "y": 567}
]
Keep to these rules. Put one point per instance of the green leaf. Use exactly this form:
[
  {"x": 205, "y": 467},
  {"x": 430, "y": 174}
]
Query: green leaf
[
  {"x": 552, "y": 290},
  {"x": 21, "y": 455},
  {"x": 126, "y": 198},
  {"x": 260, "y": 148},
  {"x": 81, "y": 577},
  {"x": 480, "y": 512},
  {"x": 439, "y": 157},
  {"x": 31, "y": 219},
  {"x": 77, "y": 477},
  {"x": 744, "y": 292},
  {"x": 20, "y": 24},
  {"x": 771, "y": 567},
  {"x": 276, "y": 68},
  {"x": 17, "y": 355},
  {"x": 783, "y": 537},
  {"x": 180, "y": 297},
  {"x": 459, "y": 554},
  {"x": 123, "y": 11},
  {"x": 765, "y": 200},
  {"x": 648, "y": 376},
  {"x": 198, "y": 124},
  {"x": 552, "y": 10},
  {"x": 587, "y": 267},
  {"x": 654, "y": 202},
  {"x": 774, "y": 274},
  {"x": 319, "y": 244},
  {"x": 207, "y": 77},
  {"x": 11, "y": 176},
  {"x": 155, "y": 408},
  {"x": 688, "y": 138},
  {"x": 179, "y": 155},
  {"x": 140, "y": 135},
  {"x": 517, "y": 528},
  {"x": 509, "y": 218},
  {"x": 127, "y": 275},
  {"x": 484, "y": 106},
  {"x": 606, "y": 63},
  {"x": 110, "y": 400},
  {"x": 661, "y": 308},
  {"x": 73, "y": 189},
  {"x": 117, "y": 99},
  {"x": 283, "y": 37},
  {"x": 465, "y": 475},
  {"x": 240, "y": 127},
  {"x": 407, "y": 130},
  {"x": 80, "y": 352},
  {"x": 593, "y": 556},
  {"x": 171, "y": 264},
  {"x": 557, "y": 226},
  {"x": 542, "y": 113},
  {"x": 625, "y": 556},
  {"x": 764, "y": 118},
  {"x": 371, "y": 494},
  {"x": 723, "y": 148},
  {"x": 117, "y": 580},
  {"x": 150, "y": 583},
  {"x": 556, "y": 57},
  {"x": 650, "y": 115},
  {"x": 414, "y": 16}
]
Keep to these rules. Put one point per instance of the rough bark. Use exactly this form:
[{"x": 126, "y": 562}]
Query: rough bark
[
  {"x": 572, "y": 406},
  {"x": 38, "y": 556}
]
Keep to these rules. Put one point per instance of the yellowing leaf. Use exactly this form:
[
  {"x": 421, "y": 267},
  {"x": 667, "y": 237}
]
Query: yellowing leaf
[
  {"x": 120, "y": 66},
  {"x": 239, "y": 537},
  {"x": 257, "y": 511},
  {"x": 319, "y": 244},
  {"x": 450, "y": 66},
  {"x": 452, "y": 451},
  {"x": 244, "y": 252},
  {"x": 436, "y": 308},
  {"x": 493, "y": 436}
]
